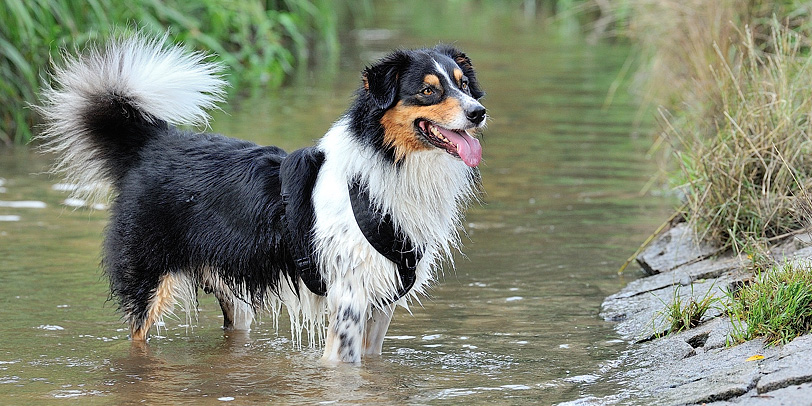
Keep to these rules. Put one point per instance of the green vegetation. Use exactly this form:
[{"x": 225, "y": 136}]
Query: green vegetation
[
  {"x": 733, "y": 85},
  {"x": 260, "y": 42},
  {"x": 748, "y": 178},
  {"x": 681, "y": 316},
  {"x": 731, "y": 79},
  {"x": 777, "y": 305}
]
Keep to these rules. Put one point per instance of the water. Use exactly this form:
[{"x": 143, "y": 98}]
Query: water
[{"x": 517, "y": 320}]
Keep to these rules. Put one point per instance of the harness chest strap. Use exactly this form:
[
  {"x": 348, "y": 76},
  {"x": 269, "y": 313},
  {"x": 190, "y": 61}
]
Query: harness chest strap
[
  {"x": 298, "y": 173},
  {"x": 380, "y": 232}
]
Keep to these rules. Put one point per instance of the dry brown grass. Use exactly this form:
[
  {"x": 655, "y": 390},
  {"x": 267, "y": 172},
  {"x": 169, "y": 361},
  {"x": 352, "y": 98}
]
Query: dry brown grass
[
  {"x": 734, "y": 87},
  {"x": 748, "y": 178},
  {"x": 676, "y": 39}
]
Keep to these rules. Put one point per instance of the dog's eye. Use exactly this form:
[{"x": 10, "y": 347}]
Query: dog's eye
[
  {"x": 427, "y": 91},
  {"x": 464, "y": 85}
]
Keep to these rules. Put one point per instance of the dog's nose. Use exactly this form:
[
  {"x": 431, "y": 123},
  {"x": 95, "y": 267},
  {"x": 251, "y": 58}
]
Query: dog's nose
[{"x": 476, "y": 115}]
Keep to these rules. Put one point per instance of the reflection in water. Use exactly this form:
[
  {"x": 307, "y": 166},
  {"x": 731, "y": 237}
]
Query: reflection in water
[
  {"x": 515, "y": 322},
  {"x": 240, "y": 368}
]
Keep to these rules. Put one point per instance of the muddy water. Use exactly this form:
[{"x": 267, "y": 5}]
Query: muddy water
[{"x": 515, "y": 323}]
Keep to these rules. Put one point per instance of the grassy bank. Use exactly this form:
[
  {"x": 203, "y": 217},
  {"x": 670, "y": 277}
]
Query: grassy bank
[
  {"x": 260, "y": 42},
  {"x": 731, "y": 81},
  {"x": 731, "y": 78}
]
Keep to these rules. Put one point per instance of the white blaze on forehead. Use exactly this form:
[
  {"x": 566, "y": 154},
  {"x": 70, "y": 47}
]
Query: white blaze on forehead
[
  {"x": 442, "y": 71},
  {"x": 465, "y": 99}
]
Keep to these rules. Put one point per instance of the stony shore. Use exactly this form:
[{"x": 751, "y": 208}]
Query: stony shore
[{"x": 697, "y": 366}]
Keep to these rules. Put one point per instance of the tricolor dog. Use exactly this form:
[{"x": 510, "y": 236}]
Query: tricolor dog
[{"x": 339, "y": 233}]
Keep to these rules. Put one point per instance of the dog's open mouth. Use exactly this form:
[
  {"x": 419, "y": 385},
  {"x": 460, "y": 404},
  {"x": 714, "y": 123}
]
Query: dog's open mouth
[{"x": 456, "y": 142}]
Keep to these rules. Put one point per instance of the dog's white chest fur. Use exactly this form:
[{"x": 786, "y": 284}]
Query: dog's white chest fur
[{"x": 424, "y": 195}]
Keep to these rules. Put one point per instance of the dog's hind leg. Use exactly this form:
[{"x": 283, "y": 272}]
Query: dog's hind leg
[
  {"x": 237, "y": 314},
  {"x": 376, "y": 326},
  {"x": 143, "y": 312}
]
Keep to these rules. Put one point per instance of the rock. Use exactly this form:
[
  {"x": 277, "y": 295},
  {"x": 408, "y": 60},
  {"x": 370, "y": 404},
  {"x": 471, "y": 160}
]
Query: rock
[
  {"x": 640, "y": 308},
  {"x": 796, "y": 395},
  {"x": 707, "y": 269},
  {"x": 719, "y": 335},
  {"x": 805, "y": 253},
  {"x": 710, "y": 335},
  {"x": 799, "y": 373},
  {"x": 696, "y": 366},
  {"x": 674, "y": 248},
  {"x": 713, "y": 375},
  {"x": 791, "y": 368},
  {"x": 715, "y": 388},
  {"x": 802, "y": 240},
  {"x": 668, "y": 350},
  {"x": 800, "y": 344}
]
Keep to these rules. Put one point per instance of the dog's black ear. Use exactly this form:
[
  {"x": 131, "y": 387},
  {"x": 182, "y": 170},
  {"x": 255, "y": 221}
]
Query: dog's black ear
[
  {"x": 381, "y": 79},
  {"x": 464, "y": 62}
]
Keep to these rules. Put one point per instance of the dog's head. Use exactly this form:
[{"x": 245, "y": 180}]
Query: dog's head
[{"x": 429, "y": 98}]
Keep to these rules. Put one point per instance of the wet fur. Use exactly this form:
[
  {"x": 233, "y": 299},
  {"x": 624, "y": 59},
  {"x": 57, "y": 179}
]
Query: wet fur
[{"x": 202, "y": 211}]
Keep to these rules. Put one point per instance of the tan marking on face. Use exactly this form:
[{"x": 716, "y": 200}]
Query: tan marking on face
[
  {"x": 398, "y": 124},
  {"x": 162, "y": 301},
  {"x": 458, "y": 76},
  {"x": 432, "y": 80}
]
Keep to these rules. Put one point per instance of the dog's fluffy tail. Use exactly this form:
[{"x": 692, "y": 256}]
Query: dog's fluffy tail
[{"x": 105, "y": 104}]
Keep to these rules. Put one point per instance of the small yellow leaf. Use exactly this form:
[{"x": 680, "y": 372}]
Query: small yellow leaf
[{"x": 755, "y": 358}]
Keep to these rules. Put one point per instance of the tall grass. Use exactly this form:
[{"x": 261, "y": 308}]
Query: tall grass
[
  {"x": 748, "y": 177},
  {"x": 731, "y": 78},
  {"x": 677, "y": 41},
  {"x": 260, "y": 42}
]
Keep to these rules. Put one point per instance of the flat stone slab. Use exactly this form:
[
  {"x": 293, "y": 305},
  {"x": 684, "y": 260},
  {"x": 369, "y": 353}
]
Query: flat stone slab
[
  {"x": 796, "y": 395},
  {"x": 677, "y": 246},
  {"x": 698, "y": 366},
  {"x": 792, "y": 367},
  {"x": 699, "y": 376},
  {"x": 641, "y": 315},
  {"x": 683, "y": 275}
]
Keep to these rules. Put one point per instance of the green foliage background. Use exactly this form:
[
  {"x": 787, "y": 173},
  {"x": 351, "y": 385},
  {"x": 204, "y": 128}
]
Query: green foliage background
[{"x": 260, "y": 42}]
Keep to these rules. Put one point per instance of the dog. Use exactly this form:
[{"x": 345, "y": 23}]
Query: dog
[{"x": 340, "y": 233}]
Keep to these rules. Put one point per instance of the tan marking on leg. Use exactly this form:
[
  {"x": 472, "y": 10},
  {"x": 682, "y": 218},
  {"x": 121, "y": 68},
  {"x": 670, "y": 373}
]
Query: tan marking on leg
[{"x": 162, "y": 301}]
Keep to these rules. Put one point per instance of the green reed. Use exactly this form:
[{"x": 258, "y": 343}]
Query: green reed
[{"x": 259, "y": 42}]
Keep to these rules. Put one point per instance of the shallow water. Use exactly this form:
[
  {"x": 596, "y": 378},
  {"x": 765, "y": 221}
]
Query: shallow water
[{"x": 516, "y": 321}]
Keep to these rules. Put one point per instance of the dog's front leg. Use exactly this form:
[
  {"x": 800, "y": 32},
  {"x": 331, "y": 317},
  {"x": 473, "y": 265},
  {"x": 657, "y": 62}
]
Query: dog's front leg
[
  {"x": 376, "y": 326},
  {"x": 347, "y": 314}
]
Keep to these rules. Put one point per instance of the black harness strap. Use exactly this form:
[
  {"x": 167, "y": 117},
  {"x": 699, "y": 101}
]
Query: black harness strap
[
  {"x": 380, "y": 232},
  {"x": 298, "y": 174}
]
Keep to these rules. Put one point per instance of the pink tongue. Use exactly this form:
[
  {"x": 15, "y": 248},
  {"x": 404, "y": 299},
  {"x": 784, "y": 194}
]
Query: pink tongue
[{"x": 468, "y": 147}]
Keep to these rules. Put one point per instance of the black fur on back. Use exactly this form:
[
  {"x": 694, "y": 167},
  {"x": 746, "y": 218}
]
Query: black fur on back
[{"x": 193, "y": 202}]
